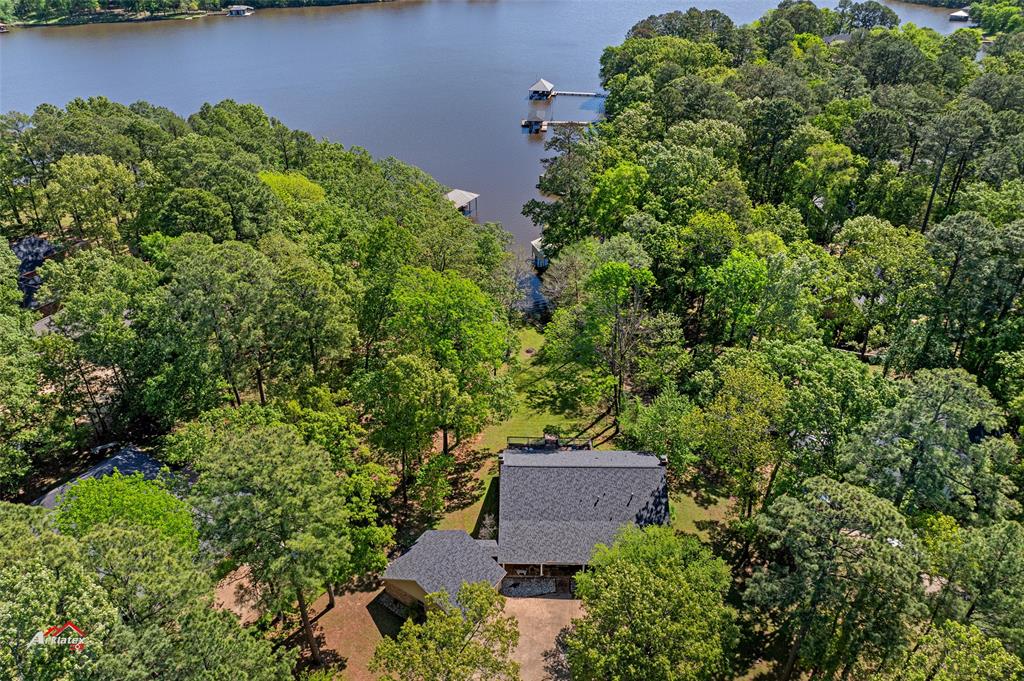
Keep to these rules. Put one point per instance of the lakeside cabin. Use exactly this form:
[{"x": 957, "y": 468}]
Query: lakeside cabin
[
  {"x": 464, "y": 201},
  {"x": 240, "y": 10},
  {"x": 557, "y": 501},
  {"x": 542, "y": 89},
  {"x": 960, "y": 15}
]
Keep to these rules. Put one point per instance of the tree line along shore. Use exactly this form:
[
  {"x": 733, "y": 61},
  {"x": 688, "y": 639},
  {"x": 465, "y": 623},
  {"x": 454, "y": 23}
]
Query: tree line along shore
[{"x": 28, "y": 13}]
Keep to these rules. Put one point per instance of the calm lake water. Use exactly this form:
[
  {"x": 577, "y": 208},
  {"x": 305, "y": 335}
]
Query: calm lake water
[{"x": 440, "y": 84}]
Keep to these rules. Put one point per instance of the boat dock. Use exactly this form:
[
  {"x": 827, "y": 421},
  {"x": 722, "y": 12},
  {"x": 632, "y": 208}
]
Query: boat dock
[
  {"x": 535, "y": 125},
  {"x": 544, "y": 89},
  {"x": 537, "y": 120}
]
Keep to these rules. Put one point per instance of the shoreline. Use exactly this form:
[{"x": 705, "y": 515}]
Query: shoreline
[{"x": 125, "y": 18}]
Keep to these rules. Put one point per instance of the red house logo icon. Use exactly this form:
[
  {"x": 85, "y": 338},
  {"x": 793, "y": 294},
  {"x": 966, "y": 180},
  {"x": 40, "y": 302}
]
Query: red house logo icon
[{"x": 66, "y": 634}]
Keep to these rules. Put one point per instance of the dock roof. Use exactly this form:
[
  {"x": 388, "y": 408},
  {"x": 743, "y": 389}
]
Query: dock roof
[
  {"x": 555, "y": 506},
  {"x": 443, "y": 560},
  {"x": 461, "y": 198},
  {"x": 542, "y": 86}
]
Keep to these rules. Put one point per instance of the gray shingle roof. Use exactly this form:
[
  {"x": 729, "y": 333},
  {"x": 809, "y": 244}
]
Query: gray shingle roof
[
  {"x": 126, "y": 462},
  {"x": 555, "y": 506},
  {"x": 442, "y": 560},
  {"x": 588, "y": 458},
  {"x": 489, "y": 546}
]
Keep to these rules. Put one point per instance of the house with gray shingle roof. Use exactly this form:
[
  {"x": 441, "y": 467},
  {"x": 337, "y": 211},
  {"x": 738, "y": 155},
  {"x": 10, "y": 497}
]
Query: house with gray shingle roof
[
  {"x": 127, "y": 461},
  {"x": 555, "y": 505}
]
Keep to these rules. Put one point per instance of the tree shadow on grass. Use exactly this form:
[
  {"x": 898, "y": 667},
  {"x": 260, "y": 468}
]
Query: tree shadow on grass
[
  {"x": 489, "y": 507},
  {"x": 411, "y": 520},
  {"x": 752, "y": 657},
  {"x": 466, "y": 485},
  {"x": 703, "y": 485}
]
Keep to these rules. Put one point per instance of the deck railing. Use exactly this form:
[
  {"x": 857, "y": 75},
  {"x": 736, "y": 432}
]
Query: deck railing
[{"x": 548, "y": 442}]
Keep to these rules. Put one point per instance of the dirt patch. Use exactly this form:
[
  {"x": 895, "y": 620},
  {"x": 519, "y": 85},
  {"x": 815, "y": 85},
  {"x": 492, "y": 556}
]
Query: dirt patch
[
  {"x": 541, "y": 622},
  {"x": 349, "y": 632},
  {"x": 234, "y": 594}
]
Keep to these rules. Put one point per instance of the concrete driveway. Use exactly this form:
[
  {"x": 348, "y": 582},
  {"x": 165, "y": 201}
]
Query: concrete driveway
[{"x": 541, "y": 620}]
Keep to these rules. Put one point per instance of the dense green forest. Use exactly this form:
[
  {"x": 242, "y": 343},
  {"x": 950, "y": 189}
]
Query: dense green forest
[
  {"x": 794, "y": 269},
  {"x": 254, "y": 295},
  {"x": 999, "y": 16}
]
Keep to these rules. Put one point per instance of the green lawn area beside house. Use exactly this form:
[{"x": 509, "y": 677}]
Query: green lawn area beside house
[
  {"x": 694, "y": 517},
  {"x": 523, "y": 421},
  {"x": 689, "y": 514}
]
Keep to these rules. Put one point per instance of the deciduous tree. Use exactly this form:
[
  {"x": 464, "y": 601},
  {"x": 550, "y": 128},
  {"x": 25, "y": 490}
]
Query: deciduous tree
[
  {"x": 654, "y": 609},
  {"x": 470, "y": 639},
  {"x": 131, "y": 499}
]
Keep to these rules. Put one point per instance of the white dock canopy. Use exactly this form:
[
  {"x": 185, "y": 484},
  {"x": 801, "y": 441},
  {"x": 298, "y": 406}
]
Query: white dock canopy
[
  {"x": 461, "y": 198},
  {"x": 542, "y": 86},
  {"x": 960, "y": 15}
]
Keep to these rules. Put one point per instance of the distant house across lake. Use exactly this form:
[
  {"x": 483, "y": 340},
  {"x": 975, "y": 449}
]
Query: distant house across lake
[{"x": 239, "y": 10}]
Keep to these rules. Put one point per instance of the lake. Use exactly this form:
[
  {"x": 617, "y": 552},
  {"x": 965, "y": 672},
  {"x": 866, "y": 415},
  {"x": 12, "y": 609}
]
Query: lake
[{"x": 438, "y": 83}]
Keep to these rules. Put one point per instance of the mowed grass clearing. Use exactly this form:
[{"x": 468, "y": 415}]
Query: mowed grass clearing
[{"x": 523, "y": 421}]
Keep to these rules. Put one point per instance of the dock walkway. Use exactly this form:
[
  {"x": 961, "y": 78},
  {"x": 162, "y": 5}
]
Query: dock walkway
[
  {"x": 570, "y": 93},
  {"x": 536, "y": 126}
]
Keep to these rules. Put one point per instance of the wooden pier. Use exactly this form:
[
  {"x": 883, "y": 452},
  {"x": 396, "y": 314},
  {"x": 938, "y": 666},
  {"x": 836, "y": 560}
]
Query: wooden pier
[
  {"x": 568, "y": 93},
  {"x": 535, "y": 125}
]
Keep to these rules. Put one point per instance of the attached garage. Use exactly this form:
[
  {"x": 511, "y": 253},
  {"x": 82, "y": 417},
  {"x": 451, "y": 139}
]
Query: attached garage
[{"x": 441, "y": 560}]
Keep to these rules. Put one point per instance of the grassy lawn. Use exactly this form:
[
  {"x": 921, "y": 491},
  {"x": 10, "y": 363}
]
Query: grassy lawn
[
  {"x": 693, "y": 517},
  {"x": 688, "y": 514},
  {"x": 522, "y": 421}
]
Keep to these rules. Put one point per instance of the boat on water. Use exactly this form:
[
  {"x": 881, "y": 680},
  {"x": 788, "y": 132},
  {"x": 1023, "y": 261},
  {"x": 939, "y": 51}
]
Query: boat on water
[{"x": 240, "y": 11}]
